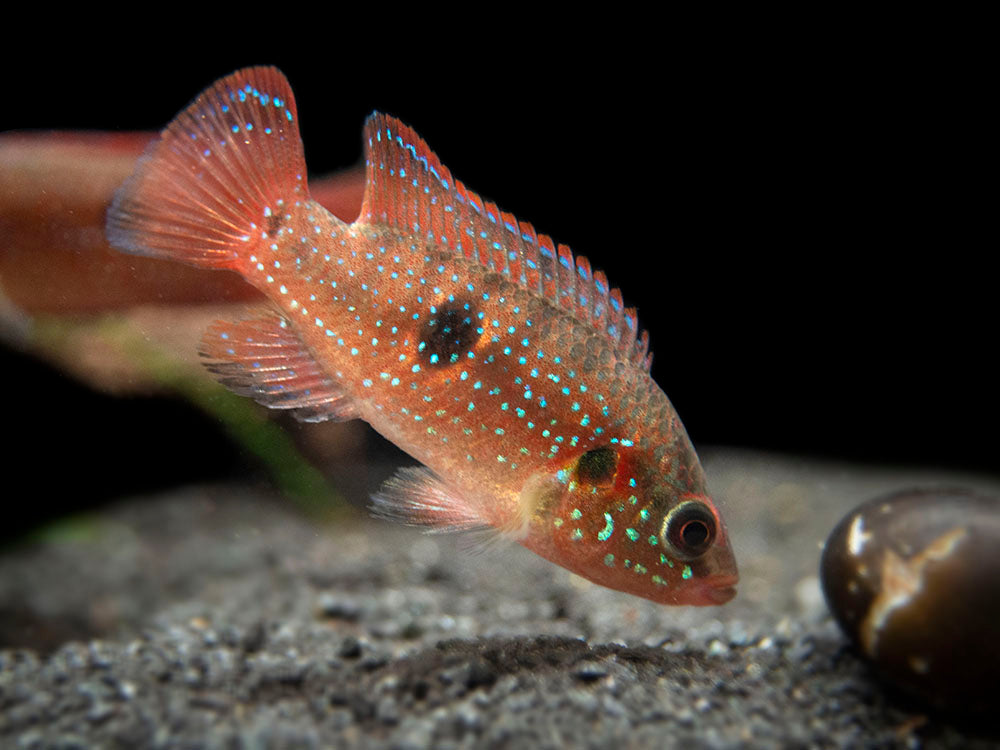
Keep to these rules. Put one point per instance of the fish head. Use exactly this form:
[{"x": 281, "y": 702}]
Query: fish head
[{"x": 622, "y": 519}]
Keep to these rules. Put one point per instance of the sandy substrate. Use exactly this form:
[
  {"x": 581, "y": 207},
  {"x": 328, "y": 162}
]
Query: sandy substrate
[{"x": 216, "y": 617}]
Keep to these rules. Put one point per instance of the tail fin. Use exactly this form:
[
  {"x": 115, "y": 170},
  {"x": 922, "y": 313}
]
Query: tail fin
[{"x": 205, "y": 191}]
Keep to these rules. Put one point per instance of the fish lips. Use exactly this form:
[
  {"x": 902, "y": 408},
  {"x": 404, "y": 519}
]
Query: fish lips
[{"x": 718, "y": 590}]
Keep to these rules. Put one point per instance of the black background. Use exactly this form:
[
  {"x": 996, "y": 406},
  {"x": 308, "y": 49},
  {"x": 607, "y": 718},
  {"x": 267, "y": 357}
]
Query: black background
[{"x": 800, "y": 228}]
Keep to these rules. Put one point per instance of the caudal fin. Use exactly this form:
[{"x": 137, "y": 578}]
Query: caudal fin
[{"x": 205, "y": 192}]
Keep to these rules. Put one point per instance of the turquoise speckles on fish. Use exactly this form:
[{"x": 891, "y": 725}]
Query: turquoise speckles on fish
[{"x": 502, "y": 362}]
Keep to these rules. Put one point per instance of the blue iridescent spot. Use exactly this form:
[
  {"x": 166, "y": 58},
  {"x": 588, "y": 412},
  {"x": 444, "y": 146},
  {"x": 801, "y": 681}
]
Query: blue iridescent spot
[{"x": 609, "y": 527}]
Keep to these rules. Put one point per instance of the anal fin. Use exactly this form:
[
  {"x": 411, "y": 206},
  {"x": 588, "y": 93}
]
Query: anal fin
[{"x": 263, "y": 358}]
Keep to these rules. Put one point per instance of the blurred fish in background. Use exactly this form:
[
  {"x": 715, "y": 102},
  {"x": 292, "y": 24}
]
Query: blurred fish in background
[{"x": 129, "y": 326}]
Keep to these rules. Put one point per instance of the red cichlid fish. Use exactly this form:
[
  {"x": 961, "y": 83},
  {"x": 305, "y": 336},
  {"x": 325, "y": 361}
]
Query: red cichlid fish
[{"x": 508, "y": 367}]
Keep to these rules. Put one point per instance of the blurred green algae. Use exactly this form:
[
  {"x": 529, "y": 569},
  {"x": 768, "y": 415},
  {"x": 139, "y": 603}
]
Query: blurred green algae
[{"x": 241, "y": 419}]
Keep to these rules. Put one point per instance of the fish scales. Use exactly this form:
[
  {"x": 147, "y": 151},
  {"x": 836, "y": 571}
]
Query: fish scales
[
  {"x": 503, "y": 397},
  {"x": 504, "y": 364}
]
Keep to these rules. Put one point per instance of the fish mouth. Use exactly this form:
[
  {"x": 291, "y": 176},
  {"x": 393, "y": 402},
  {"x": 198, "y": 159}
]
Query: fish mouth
[{"x": 720, "y": 589}]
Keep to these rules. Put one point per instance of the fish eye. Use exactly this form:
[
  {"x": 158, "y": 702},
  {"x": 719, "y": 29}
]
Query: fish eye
[
  {"x": 597, "y": 466},
  {"x": 689, "y": 529}
]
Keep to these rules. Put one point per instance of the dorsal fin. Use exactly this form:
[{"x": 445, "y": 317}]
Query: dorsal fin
[{"x": 409, "y": 189}]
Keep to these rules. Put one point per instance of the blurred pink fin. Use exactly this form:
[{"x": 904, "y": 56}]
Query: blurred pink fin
[
  {"x": 416, "y": 496},
  {"x": 205, "y": 191},
  {"x": 265, "y": 360},
  {"x": 409, "y": 189}
]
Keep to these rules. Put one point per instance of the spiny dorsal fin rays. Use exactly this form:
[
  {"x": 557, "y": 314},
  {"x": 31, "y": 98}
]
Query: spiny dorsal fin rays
[{"x": 409, "y": 189}]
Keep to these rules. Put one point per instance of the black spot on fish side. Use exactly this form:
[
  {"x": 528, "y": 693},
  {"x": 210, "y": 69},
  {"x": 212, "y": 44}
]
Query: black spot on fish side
[
  {"x": 597, "y": 466},
  {"x": 273, "y": 224},
  {"x": 449, "y": 334}
]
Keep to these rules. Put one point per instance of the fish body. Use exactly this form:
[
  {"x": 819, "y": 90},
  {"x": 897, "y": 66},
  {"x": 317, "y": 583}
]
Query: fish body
[{"x": 504, "y": 364}]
